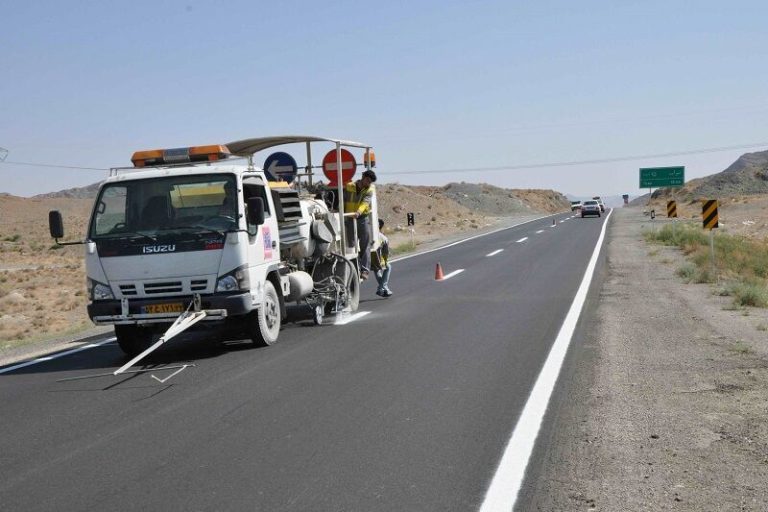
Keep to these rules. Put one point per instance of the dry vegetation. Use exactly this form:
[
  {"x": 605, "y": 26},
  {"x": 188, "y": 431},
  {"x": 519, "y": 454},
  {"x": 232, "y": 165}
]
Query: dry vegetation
[{"x": 42, "y": 285}]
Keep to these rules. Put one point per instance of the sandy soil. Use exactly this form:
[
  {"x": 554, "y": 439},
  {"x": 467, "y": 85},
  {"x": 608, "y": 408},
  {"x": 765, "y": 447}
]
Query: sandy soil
[{"x": 666, "y": 409}]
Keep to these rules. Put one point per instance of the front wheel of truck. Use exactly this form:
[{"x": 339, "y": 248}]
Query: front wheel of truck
[
  {"x": 133, "y": 339},
  {"x": 265, "y": 322}
]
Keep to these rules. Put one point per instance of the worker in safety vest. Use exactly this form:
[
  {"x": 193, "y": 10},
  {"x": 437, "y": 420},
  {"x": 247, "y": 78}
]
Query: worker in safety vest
[
  {"x": 380, "y": 264},
  {"x": 358, "y": 196}
]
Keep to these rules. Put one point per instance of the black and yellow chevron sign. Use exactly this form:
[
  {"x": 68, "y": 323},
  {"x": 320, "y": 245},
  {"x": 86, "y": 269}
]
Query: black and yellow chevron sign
[
  {"x": 709, "y": 213},
  {"x": 671, "y": 209}
]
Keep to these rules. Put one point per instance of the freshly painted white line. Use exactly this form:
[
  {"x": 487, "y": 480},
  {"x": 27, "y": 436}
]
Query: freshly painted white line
[
  {"x": 506, "y": 483},
  {"x": 56, "y": 356},
  {"x": 539, "y": 231},
  {"x": 400, "y": 258},
  {"x": 494, "y": 253},
  {"x": 454, "y": 273},
  {"x": 522, "y": 240},
  {"x": 344, "y": 319}
]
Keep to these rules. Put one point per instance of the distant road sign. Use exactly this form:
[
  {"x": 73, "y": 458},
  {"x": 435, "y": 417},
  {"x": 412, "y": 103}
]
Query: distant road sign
[
  {"x": 280, "y": 166},
  {"x": 655, "y": 177},
  {"x": 410, "y": 218},
  {"x": 671, "y": 209},
  {"x": 348, "y": 166},
  {"x": 709, "y": 213}
]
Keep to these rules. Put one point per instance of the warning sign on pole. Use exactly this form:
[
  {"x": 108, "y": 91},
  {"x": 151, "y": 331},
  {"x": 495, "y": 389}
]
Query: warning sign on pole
[
  {"x": 671, "y": 209},
  {"x": 709, "y": 213}
]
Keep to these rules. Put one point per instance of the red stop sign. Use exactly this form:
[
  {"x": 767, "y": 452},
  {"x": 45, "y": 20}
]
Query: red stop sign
[{"x": 330, "y": 167}]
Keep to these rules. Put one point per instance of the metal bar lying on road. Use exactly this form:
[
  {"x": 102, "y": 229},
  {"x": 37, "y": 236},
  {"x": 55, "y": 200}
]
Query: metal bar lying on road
[
  {"x": 111, "y": 374},
  {"x": 185, "y": 321}
]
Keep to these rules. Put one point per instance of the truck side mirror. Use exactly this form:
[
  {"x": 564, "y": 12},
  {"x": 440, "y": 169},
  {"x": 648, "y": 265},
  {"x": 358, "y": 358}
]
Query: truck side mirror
[
  {"x": 56, "y": 224},
  {"x": 256, "y": 211}
]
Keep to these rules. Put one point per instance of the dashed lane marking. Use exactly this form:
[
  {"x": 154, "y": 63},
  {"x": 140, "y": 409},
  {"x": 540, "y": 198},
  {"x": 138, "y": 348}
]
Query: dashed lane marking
[
  {"x": 454, "y": 273},
  {"x": 494, "y": 253},
  {"x": 522, "y": 240},
  {"x": 345, "y": 319}
]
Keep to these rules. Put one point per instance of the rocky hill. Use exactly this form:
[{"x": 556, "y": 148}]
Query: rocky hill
[
  {"x": 747, "y": 176},
  {"x": 87, "y": 192}
]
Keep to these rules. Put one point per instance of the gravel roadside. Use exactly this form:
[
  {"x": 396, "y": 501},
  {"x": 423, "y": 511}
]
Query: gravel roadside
[{"x": 665, "y": 405}]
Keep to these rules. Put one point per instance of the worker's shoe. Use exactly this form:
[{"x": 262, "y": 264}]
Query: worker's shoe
[
  {"x": 387, "y": 293},
  {"x": 364, "y": 275},
  {"x": 381, "y": 293}
]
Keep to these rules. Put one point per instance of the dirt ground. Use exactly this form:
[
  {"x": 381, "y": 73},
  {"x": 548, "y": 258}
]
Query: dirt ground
[{"x": 666, "y": 409}]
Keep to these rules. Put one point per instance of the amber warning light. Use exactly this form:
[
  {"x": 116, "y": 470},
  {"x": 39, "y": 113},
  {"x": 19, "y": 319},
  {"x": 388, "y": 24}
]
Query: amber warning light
[{"x": 180, "y": 155}]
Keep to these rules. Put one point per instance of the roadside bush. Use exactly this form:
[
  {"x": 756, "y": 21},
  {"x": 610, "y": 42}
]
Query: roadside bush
[
  {"x": 687, "y": 272},
  {"x": 748, "y": 294}
]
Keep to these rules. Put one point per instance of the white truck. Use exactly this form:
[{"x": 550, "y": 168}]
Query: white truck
[{"x": 199, "y": 230}]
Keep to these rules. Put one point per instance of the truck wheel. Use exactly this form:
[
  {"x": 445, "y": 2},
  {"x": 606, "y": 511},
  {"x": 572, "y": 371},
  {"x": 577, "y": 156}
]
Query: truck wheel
[
  {"x": 266, "y": 321},
  {"x": 352, "y": 289},
  {"x": 133, "y": 339}
]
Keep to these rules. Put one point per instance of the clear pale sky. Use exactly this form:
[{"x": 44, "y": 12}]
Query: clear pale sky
[{"x": 432, "y": 85}]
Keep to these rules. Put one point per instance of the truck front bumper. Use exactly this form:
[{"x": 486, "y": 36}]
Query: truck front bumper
[{"x": 217, "y": 307}]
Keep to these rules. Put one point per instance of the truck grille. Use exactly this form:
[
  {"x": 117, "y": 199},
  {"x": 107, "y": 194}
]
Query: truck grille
[
  {"x": 166, "y": 287},
  {"x": 169, "y": 287}
]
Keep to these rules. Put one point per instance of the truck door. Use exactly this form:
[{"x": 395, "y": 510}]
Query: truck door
[{"x": 263, "y": 241}]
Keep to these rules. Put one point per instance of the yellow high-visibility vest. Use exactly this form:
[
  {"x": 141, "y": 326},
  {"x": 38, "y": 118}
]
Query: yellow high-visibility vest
[{"x": 355, "y": 201}]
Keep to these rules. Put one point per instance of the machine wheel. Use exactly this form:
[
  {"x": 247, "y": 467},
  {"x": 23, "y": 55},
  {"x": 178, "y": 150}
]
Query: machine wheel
[
  {"x": 317, "y": 317},
  {"x": 134, "y": 339},
  {"x": 265, "y": 326}
]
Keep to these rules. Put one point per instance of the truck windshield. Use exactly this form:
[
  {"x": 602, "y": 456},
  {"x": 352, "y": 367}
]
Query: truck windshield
[{"x": 165, "y": 206}]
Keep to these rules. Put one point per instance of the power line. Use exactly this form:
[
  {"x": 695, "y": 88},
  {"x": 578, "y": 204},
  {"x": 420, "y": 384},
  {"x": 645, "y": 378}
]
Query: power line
[
  {"x": 510, "y": 167},
  {"x": 583, "y": 162},
  {"x": 56, "y": 166}
]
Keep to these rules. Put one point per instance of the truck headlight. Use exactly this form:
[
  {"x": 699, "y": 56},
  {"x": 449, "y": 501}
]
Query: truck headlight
[
  {"x": 99, "y": 291},
  {"x": 235, "y": 280},
  {"x": 227, "y": 284}
]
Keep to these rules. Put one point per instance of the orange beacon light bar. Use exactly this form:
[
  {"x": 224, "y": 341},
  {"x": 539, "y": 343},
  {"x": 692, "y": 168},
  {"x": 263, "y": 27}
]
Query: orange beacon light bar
[{"x": 180, "y": 155}]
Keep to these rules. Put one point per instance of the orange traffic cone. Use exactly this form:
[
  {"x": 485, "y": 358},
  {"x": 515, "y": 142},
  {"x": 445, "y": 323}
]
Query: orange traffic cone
[{"x": 438, "y": 272}]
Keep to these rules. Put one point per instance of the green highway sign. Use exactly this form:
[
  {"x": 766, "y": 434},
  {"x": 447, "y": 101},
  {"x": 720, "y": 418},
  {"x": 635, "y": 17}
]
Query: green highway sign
[{"x": 655, "y": 177}]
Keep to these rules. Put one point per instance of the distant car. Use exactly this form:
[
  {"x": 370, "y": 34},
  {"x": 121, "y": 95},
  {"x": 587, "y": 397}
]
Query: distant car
[
  {"x": 600, "y": 202},
  {"x": 575, "y": 205},
  {"x": 590, "y": 208}
]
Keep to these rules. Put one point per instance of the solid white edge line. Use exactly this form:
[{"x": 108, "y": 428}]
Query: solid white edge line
[
  {"x": 510, "y": 473},
  {"x": 344, "y": 320},
  {"x": 56, "y": 356},
  {"x": 522, "y": 240},
  {"x": 494, "y": 253},
  {"x": 454, "y": 273}
]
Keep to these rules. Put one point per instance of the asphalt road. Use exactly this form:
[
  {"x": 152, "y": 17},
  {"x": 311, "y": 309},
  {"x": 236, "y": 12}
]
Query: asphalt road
[{"x": 407, "y": 407}]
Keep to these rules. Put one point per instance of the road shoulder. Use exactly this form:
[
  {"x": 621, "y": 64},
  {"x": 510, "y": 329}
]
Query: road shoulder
[{"x": 664, "y": 405}]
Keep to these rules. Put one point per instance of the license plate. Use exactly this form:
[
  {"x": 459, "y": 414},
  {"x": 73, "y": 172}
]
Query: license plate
[{"x": 174, "y": 307}]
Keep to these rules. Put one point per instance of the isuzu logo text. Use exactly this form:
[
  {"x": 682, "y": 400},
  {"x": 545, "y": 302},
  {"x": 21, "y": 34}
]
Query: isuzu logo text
[{"x": 151, "y": 249}]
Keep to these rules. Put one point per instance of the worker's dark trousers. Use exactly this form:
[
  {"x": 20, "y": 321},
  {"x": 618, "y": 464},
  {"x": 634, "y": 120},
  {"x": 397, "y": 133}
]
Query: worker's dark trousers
[{"x": 364, "y": 236}]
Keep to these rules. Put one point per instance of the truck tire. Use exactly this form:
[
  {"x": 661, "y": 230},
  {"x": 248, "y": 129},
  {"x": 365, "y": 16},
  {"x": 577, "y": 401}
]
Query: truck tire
[
  {"x": 133, "y": 339},
  {"x": 353, "y": 290},
  {"x": 265, "y": 322}
]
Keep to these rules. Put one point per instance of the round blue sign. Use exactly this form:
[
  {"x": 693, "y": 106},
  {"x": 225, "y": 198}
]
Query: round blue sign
[{"x": 280, "y": 166}]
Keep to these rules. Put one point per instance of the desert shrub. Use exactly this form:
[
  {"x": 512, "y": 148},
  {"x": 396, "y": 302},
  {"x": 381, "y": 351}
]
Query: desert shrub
[
  {"x": 409, "y": 246},
  {"x": 687, "y": 272},
  {"x": 750, "y": 294}
]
